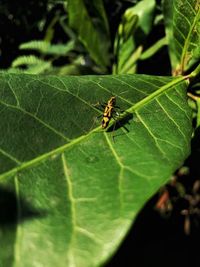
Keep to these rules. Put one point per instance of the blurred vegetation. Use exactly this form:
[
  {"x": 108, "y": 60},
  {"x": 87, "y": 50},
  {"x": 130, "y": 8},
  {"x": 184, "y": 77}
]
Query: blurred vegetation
[
  {"x": 45, "y": 37},
  {"x": 106, "y": 37}
]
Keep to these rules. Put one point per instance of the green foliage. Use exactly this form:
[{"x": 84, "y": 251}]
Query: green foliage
[
  {"x": 153, "y": 49},
  {"x": 78, "y": 181},
  {"x": 94, "y": 37},
  {"x": 182, "y": 20},
  {"x": 74, "y": 189},
  {"x": 26, "y": 60},
  {"x": 34, "y": 64},
  {"x": 136, "y": 24},
  {"x": 46, "y": 48}
]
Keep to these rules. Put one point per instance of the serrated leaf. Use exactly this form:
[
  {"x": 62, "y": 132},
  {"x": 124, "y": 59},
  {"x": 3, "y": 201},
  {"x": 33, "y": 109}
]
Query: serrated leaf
[
  {"x": 74, "y": 191},
  {"x": 48, "y": 48},
  {"x": 182, "y": 19},
  {"x": 34, "y": 64},
  {"x": 27, "y": 60}
]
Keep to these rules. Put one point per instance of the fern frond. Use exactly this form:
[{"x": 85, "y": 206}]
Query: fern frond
[
  {"x": 33, "y": 64},
  {"x": 35, "y": 45},
  {"x": 39, "y": 68},
  {"x": 15, "y": 70},
  {"x": 45, "y": 47},
  {"x": 26, "y": 60}
]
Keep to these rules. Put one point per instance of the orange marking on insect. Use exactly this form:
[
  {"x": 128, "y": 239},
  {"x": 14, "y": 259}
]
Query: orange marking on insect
[{"x": 108, "y": 112}]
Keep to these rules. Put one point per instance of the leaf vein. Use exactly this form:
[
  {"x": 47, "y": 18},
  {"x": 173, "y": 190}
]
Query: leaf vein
[
  {"x": 178, "y": 127},
  {"x": 89, "y": 235},
  {"x": 178, "y": 30},
  {"x": 16, "y": 98},
  {"x": 133, "y": 87},
  {"x": 182, "y": 15},
  {"x": 178, "y": 106},
  {"x": 120, "y": 165},
  {"x": 37, "y": 119},
  {"x": 73, "y": 209},
  {"x": 69, "y": 92},
  {"x": 187, "y": 42},
  {"x": 153, "y": 137},
  {"x": 19, "y": 228},
  {"x": 9, "y": 156},
  {"x": 192, "y": 8}
]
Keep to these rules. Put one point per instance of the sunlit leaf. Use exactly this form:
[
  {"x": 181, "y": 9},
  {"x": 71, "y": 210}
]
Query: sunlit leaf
[{"x": 72, "y": 189}]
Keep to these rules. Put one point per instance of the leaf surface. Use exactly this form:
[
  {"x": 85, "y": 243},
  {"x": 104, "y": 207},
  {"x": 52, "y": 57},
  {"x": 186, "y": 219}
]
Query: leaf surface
[
  {"x": 95, "y": 38},
  {"x": 73, "y": 192},
  {"x": 182, "y": 19},
  {"x": 135, "y": 26}
]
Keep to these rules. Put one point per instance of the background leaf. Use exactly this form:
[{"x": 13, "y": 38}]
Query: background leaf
[
  {"x": 136, "y": 24},
  {"x": 34, "y": 65},
  {"x": 95, "y": 37},
  {"x": 182, "y": 19},
  {"x": 48, "y": 48},
  {"x": 153, "y": 49},
  {"x": 74, "y": 191}
]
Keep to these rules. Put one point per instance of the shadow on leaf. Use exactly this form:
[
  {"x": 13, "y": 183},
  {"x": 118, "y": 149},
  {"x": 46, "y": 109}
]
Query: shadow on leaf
[
  {"x": 15, "y": 210},
  {"x": 157, "y": 241},
  {"x": 121, "y": 123}
]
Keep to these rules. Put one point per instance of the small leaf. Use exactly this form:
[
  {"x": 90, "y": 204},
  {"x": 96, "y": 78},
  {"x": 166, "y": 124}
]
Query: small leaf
[
  {"x": 182, "y": 19},
  {"x": 145, "y": 11},
  {"x": 85, "y": 190}
]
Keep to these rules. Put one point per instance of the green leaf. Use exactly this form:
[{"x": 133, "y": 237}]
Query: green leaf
[
  {"x": 34, "y": 64},
  {"x": 145, "y": 11},
  {"x": 132, "y": 32},
  {"x": 27, "y": 60},
  {"x": 182, "y": 19},
  {"x": 153, "y": 49},
  {"x": 48, "y": 48},
  {"x": 98, "y": 8},
  {"x": 73, "y": 192},
  {"x": 198, "y": 112},
  {"x": 95, "y": 40}
]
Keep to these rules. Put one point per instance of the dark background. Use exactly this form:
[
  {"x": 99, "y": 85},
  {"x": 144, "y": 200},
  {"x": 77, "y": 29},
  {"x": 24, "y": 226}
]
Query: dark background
[
  {"x": 23, "y": 21},
  {"x": 153, "y": 240}
]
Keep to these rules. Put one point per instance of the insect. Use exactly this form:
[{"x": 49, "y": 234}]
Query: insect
[{"x": 109, "y": 110}]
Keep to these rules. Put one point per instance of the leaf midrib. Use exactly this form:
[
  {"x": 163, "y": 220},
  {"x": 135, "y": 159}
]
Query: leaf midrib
[{"x": 62, "y": 148}]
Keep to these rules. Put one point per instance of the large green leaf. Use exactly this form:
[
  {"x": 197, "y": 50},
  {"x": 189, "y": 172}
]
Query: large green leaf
[
  {"x": 72, "y": 192},
  {"x": 94, "y": 37},
  {"x": 182, "y": 20}
]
